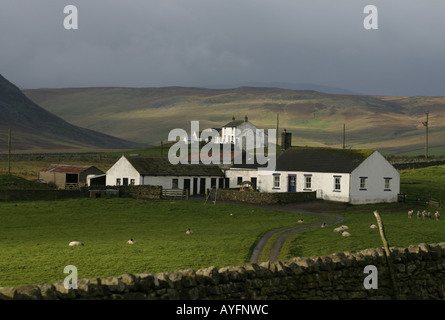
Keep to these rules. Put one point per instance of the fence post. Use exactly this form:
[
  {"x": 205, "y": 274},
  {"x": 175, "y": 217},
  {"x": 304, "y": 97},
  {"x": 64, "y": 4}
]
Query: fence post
[{"x": 387, "y": 255}]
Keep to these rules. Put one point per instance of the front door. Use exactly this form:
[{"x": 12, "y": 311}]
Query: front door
[
  {"x": 195, "y": 186},
  {"x": 291, "y": 183},
  {"x": 187, "y": 184}
]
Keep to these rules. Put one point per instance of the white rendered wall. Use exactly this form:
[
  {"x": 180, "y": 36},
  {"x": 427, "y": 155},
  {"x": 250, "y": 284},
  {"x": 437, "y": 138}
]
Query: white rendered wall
[{"x": 375, "y": 168}]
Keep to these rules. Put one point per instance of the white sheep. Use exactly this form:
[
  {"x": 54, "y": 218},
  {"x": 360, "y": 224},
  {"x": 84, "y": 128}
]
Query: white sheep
[
  {"x": 410, "y": 213},
  {"x": 345, "y": 227},
  {"x": 437, "y": 215},
  {"x": 345, "y": 234},
  {"x": 324, "y": 225},
  {"x": 372, "y": 226},
  {"x": 301, "y": 221},
  {"x": 189, "y": 231},
  {"x": 339, "y": 229},
  {"x": 131, "y": 241},
  {"x": 418, "y": 214},
  {"x": 75, "y": 244}
]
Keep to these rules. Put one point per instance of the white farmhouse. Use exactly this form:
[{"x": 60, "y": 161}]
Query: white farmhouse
[
  {"x": 228, "y": 133},
  {"x": 353, "y": 176},
  {"x": 144, "y": 170}
]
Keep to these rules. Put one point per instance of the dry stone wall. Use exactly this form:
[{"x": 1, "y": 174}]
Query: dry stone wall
[{"x": 419, "y": 273}]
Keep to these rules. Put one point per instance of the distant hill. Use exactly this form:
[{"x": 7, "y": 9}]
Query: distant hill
[
  {"x": 146, "y": 115},
  {"x": 35, "y": 129}
]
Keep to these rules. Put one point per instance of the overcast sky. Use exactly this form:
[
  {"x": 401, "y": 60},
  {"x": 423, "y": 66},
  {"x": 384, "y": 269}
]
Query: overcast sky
[{"x": 152, "y": 43}]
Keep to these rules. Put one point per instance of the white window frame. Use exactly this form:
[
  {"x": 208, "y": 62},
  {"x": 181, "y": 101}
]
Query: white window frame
[
  {"x": 363, "y": 183},
  {"x": 276, "y": 181},
  {"x": 387, "y": 183},
  {"x": 337, "y": 183},
  {"x": 308, "y": 182}
]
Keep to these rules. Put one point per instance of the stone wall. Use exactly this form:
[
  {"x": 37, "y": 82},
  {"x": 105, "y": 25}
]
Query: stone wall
[
  {"x": 25, "y": 195},
  {"x": 419, "y": 273},
  {"x": 263, "y": 197},
  {"x": 134, "y": 191}
]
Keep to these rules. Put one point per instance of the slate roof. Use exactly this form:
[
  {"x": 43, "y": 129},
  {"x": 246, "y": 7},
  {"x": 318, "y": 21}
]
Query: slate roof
[
  {"x": 321, "y": 159},
  {"x": 233, "y": 124},
  {"x": 151, "y": 166},
  {"x": 65, "y": 168}
]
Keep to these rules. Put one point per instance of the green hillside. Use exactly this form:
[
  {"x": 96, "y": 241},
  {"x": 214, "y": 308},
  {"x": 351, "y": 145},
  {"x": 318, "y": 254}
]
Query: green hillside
[
  {"x": 146, "y": 115},
  {"x": 35, "y": 129}
]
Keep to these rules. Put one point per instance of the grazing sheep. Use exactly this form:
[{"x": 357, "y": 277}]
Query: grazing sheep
[
  {"x": 423, "y": 214},
  {"x": 418, "y": 214},
  {"x": 75, "y": 244},
  {"x": 372, "y": 226},
  {"x": 410, "y": 213},
  {"x": 437, "y": 215},
  {"x": 339, "y": 229},
  {"x": 301, "y": 221},
  {"x": 131, "y": 241},
  {"x": 345, "y": 234},
  {"x": 189, "y": 231},
  {"x": 324, "y": 225},
  {"x": 345, "y": 227}
]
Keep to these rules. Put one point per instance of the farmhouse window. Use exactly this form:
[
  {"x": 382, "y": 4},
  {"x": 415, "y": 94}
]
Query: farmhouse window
[
  {"x": 337, "y": 183},
  {"x": 387, "y": 184},
  {"x": 239, "y": 180},
  {"x": 363, "y": 183},
  {"x": 118, "y": 181},
  {"x": 125, "y": 181},
  {"x": 308, "y": 181},
  {"x": 175, "y": 184},
  {"x": 132, "y": 181},
  {"x": 276, "y": 181}
]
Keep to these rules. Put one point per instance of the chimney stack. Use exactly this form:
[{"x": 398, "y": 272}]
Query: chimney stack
[{"x": 286, "y": 140}]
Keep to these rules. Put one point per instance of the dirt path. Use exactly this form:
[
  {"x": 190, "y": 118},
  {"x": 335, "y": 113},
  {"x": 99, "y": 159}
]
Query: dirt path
[
  {"x": 312, "y": 208},
  {"x": 309, "y": 208}
]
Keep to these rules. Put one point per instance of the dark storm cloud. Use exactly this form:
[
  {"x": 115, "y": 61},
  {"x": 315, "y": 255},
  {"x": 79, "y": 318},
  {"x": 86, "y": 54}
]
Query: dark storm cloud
[{"x": 210, "y": 42}]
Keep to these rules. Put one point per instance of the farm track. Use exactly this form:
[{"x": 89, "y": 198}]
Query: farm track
[
  {"x": 312, "y": 208},
  {"x": 288, "y": 231}
]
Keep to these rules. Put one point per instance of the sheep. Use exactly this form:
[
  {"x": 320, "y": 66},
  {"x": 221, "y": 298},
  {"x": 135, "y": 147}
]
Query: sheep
[
  {"x": 301, "y": 221},
  {"x": 345, "y": 234},
  {"x": 339, "y": 229},
  {"x": 372, "y": 226},
  {"x": 428, "y": 215},
  {"x": 410, "y": 213},
  {"x": 437, "y": 215},
  {"x": 131, "y": 241},
  {"x": 423, "y": 214},
  {"x": 324, "y": 225},
  {"x": 418, "y": 214},
  {"x": 75, "y": 244},
  {"x": 189, "y": 231},
  {"x": 345, "y": 227}
]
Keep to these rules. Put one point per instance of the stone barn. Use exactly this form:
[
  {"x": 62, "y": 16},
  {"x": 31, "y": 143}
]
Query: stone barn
[{"x": 66, "y": 176}]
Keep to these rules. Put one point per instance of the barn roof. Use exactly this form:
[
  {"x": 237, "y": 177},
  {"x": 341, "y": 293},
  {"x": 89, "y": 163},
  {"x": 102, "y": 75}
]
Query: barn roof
[
  {"x": 66, "y": 168},
  {"x": 321, "y": 159},
  {"x": 151, "y": 166}
]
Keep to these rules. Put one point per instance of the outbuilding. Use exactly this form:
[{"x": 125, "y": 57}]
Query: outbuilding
[
  {"x": 67, "y": 176},
  {"x": 158, "y": 171}
]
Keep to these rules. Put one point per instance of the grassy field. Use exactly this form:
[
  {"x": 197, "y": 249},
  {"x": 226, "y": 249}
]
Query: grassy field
[
  {"x": 400, "y": 231},
  {"x": 34, "y": 236}
]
